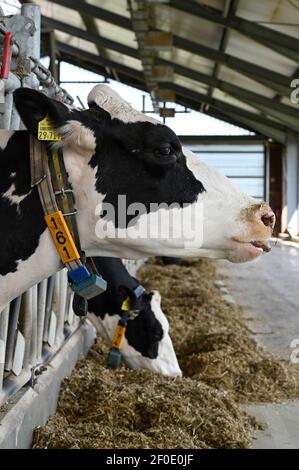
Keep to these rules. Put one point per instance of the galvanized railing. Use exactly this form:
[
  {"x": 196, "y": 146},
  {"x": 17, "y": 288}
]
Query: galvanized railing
[{"x": 33, "y": 328}]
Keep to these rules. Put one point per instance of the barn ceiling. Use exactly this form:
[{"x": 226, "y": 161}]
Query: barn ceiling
[{"x": 231, "y": 59}]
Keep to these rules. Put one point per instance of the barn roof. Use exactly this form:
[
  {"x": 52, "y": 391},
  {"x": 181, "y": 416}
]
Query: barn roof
[{"x": 231, "y": 59}]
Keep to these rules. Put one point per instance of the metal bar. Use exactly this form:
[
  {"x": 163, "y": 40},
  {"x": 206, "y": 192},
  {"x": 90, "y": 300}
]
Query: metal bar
[
  {"x": 33, "y": 43},
  {"x": 25, "y": 324},
  {"x": 41, "y": 313},
  {"x": 230, "y": 8},
  {"x": 48, "y": 308},
  {"x": 53, "y": 55},
  {"x": 33, "y": 339},
  {"x": 61, "y": 306},
  {"x": 12, "y": 328},
  {"x": 3, "y": 337},
  {"x": 95, "y": 59}
]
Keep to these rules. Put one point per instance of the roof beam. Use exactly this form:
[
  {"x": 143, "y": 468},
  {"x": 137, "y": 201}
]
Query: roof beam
[
  {"x": 97, "y": 60},
  {"x": 89, "y": 36},
  {"x": 230, "y": 7},
  {"x": 286, "y": 114},
  {"x": 250, "y": 120},
  {"x": 285, "y": 45},
  {"x": 269, "y": 78},
  {"x": 96, "y": 12},
  {"x": 240, "y": 121},
  {"x": 102, "y": 71}
]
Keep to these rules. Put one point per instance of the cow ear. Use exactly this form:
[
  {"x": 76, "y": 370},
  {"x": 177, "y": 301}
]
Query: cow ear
[{"x": 33, "y": 106}]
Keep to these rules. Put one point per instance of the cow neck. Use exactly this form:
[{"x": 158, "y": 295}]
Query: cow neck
[{"x": 48, "y": 173}]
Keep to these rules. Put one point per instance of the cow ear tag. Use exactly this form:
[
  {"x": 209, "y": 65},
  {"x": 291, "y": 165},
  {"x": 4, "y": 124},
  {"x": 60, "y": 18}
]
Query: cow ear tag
[
  {"x": 47, "y": 131},
  {"x": 114, "y": 355}
]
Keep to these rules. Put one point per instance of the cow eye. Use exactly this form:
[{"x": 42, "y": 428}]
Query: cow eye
[{"x": 165, "y": 150}]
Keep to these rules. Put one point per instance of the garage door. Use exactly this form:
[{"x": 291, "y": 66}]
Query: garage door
[{"x": 243, "y": 164}]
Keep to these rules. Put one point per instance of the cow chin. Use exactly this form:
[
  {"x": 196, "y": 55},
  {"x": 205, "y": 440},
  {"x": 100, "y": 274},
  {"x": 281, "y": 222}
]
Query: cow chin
[{"x": 244, "y": 252}]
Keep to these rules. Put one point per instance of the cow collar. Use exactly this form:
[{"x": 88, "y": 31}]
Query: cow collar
[
  {"x": 48, "y": 173},
  {"x": 114, "y": 355}
]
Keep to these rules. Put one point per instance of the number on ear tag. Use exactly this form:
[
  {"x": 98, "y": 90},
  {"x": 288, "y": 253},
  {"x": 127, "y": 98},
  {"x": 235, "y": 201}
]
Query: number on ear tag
[
  {"x": 62, "y": 238},
  {"x": 46, "y": 130}
]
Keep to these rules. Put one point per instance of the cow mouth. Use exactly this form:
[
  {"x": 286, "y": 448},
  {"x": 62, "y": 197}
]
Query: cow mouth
[{"x": 257, "y": 246}]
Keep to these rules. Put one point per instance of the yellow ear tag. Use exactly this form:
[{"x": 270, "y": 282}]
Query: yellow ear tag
[
  {"x": 46, "y": 130},
  {"x": 126, "y": 304}
]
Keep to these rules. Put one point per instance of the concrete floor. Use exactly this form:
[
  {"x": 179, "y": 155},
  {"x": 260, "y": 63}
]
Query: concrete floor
[{"x": 269, "y": 290}]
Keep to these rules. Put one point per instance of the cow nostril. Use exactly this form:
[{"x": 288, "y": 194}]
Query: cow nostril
[{"x": 268, "y": 219}]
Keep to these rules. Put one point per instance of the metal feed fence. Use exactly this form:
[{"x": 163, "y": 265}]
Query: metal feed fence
[
  {"x": 33, "y": 327},
  {"x": 36, "y": 325}
]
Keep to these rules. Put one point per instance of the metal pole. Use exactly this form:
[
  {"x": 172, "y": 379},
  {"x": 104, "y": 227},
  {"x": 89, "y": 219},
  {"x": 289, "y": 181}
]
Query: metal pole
[
  {"x": 48, "y": 310},
  {"x": 12, "y": 328},
  {"x": 33, "y": 348},
  {"x": 26, "y": 324},
  {"x": 61, "y": 307},
  {"x": 41, "y": 314},
  {"x": 3, "y": 337},
  {"x": 33, "y": 44}
]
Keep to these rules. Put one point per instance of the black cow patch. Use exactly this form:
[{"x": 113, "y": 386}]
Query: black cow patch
[
  {"x": 145, "y": 162},
  {"x": 21, "y": 224}
]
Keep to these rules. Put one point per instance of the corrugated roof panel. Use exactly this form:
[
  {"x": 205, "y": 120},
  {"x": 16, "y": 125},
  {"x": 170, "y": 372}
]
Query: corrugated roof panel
[
  {"x": 61, "y": 13},
  {"x": 116, "y": 6},
  {"x": 125, "y": 60},
  {"x": 115, "y": 33},
  {"x": 192, "y": 61},
  {"x": 268, "y": 12},
  {"x": 190, "y": 84},
  {"x": 250, "y": 50},
  {"x": 235, "y": 78},
  {"x": 187, "y": 26},
  {"x": 220, "y": 95},
  {"x": 76, "y": 42}
]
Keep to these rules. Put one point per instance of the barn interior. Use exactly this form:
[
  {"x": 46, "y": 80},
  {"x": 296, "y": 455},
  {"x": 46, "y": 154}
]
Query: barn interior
[{"x": 235, "y": 62}]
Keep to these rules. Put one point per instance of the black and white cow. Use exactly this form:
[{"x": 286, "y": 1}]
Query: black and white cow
[
  {"x": 147, "y": 344},
  {"x": 111, "y": 150}
]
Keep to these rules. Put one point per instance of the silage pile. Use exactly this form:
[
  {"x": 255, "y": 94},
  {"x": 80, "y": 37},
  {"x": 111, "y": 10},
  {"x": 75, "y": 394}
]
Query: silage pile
[
  {"x": 222, "y": 364},
  {"x": 210, "y": 336}
]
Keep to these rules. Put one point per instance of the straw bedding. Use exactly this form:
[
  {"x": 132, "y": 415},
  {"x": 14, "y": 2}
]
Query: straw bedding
[{"x": 222, "y": 366}]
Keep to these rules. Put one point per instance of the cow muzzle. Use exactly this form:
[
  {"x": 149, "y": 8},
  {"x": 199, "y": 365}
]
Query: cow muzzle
[{"x": 259, "y": 221}]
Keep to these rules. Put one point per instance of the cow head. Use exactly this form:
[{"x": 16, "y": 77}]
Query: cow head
[
  {"x": 147, "y": 344},
  {"x": 132, "y": 180}
]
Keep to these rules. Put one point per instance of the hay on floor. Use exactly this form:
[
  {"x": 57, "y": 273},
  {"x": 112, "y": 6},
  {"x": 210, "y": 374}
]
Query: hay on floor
[
  {"x": 221, "y": 361},
  {"x": 210, "y": 336},
  {"x": 99, "y": 408}
]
